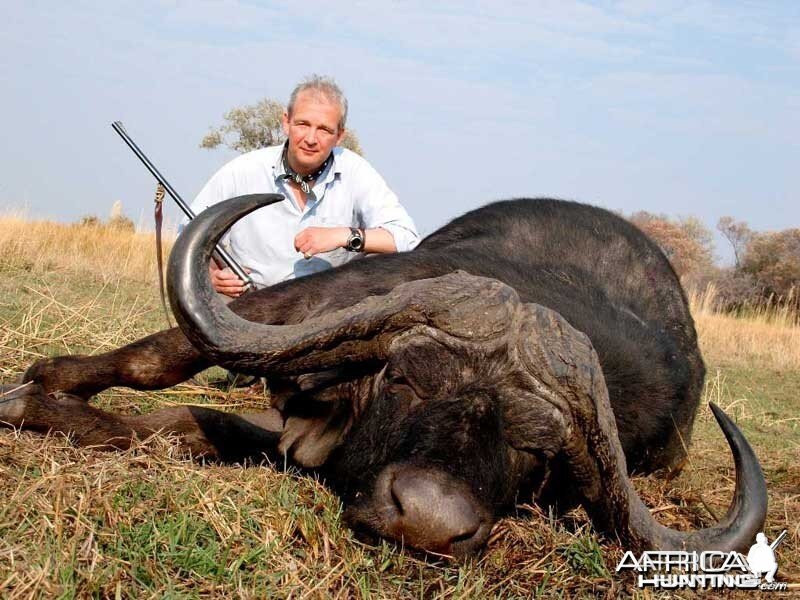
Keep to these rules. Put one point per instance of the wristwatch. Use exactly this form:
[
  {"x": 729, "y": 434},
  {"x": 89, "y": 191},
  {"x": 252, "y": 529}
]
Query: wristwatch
[{"x": 355, "y": 243}]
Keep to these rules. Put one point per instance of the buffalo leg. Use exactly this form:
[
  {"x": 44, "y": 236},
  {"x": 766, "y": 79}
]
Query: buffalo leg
[
  {"x": 155, "y": 362},
  {"x": 203, "y": 431}
]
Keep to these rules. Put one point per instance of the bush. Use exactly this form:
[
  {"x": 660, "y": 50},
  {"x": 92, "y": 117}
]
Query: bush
[
  {"x": 116, "y": 220},
  {"x": 121, "y": 223},
  {"x": 89, "y": 221},
  {"x": 734, "y": 290},
  {"x": 773, "y": 259}
]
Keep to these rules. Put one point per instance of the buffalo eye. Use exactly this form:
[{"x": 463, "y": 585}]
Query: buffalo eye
[
  {"x": 395, "y": 376},
  {"x": 399, "y": 388}
]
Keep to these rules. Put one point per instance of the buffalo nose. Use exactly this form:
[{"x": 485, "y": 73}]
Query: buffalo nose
[{"x": 433, "y": 511}]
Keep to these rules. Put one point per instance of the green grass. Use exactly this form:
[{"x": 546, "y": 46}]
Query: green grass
[
  {"x": 151, "y": 523},
  {"x": 765, "y": 401}
]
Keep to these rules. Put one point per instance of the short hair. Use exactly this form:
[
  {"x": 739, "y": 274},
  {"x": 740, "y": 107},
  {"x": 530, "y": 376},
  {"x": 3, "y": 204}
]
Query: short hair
[{"x": 324, "y": 86}]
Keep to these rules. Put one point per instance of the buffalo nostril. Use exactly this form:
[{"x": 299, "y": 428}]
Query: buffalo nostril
[
  {"x": 466, "y": 536},
  {"x": 398, "y": 504}
]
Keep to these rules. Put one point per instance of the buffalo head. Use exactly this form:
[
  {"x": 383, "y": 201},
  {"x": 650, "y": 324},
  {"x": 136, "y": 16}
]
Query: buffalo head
[{"x": 434, "y": 408}]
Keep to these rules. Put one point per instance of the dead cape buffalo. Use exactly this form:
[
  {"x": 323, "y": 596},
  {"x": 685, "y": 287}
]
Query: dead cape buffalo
[{"x": 530, "y": 349}]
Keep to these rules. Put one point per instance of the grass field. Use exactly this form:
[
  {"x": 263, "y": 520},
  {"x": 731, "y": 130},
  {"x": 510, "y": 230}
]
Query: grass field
[{"x": 151, "y": 523}]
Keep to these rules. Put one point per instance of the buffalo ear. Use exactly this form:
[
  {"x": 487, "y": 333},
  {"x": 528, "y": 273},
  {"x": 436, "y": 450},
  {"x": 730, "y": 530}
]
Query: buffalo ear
[{"x": 309, "y": 437}]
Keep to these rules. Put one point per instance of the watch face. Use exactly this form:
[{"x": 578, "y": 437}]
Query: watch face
[{"x": 356, "y": 241}]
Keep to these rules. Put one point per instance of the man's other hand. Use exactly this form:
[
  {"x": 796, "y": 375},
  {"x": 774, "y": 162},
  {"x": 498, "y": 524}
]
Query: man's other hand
[
  {"x": 225, "y": 281},
  {"x": 314, "y": 240}
]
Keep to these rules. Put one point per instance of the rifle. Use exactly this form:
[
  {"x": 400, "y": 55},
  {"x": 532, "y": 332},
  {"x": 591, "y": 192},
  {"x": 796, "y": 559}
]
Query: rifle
[
  {"x": 776, "y": 542},
  {"x": 220, "y": 254}
]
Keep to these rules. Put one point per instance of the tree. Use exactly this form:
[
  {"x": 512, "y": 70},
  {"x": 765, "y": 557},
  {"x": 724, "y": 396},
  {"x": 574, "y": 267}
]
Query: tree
[
  {"x": 258, "y": 125},
  {"x": 117, "y": 220},
  {"x": 687, "y": 243},
  {"x": 773, "y": 259},
  {"x": 738, "y": 234}
]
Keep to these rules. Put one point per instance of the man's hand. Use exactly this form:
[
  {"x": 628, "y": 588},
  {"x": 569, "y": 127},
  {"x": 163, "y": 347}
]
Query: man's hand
[
  {"x": 314, "y": 240},
  {"x": 225, "y": 281}
]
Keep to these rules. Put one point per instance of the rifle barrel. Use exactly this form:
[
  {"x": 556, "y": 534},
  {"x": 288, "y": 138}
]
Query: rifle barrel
[
  {"x": 776, "y": 542},
  {"x": 223, "y": 254}
]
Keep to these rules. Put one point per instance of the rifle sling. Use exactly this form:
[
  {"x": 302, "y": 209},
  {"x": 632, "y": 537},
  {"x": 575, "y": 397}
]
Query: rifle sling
[{"x": 159, "y": 200}]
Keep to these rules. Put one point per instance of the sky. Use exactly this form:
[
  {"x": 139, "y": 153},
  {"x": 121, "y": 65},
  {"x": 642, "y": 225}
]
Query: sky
[{"x": 673, "y": 107}]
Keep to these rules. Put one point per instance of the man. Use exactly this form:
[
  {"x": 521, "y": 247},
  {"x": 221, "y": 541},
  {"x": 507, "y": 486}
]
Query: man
[
  {"x": 761, "y": 558},
  {"x": 337, "y": 206}
]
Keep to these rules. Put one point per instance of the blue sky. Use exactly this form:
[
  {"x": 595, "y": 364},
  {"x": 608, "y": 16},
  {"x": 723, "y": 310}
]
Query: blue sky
[{"x": 683, "y": 108}]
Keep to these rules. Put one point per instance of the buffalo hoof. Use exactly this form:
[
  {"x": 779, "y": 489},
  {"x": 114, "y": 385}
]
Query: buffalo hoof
[{"x": 12, "y": 402}]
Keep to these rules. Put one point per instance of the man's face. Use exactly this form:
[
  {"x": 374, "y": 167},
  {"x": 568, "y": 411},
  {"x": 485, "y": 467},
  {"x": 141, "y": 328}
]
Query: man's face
[{"x": 313, "y": 131}]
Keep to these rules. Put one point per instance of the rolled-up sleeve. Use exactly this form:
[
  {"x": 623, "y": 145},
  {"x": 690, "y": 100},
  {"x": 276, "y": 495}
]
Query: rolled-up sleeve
[{"x": 378, "y": 206}]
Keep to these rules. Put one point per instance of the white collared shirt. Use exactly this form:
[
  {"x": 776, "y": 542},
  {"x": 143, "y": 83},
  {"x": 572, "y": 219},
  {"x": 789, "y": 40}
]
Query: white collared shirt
[{"x": 350, "y": 193}]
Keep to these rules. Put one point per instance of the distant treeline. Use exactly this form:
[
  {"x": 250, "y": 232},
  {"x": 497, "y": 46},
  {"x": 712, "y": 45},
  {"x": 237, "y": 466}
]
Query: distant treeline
[{"x": 766, "y": 271}]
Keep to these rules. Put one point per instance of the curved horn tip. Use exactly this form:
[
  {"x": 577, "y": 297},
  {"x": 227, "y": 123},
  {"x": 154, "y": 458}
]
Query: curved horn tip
[
  {"x": 716, "y": 410},
  {"x": 740, "y": 447},
  {"x": 729, "y": 428},
  {"x": 748, "y": 467}
]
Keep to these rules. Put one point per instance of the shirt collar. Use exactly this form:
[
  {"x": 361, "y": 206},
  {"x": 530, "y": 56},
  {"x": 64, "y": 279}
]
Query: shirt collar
[{"x": 334, "y": 169}]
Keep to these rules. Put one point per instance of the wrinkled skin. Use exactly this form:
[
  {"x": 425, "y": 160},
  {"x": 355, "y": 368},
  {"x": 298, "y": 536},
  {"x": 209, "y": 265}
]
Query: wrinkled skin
[{"x": 431, "y": 398}]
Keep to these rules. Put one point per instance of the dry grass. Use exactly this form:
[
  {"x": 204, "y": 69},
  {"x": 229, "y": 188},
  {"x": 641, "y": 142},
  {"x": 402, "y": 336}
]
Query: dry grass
[
  {"x": 105, "y": 252},
  {"x": 150, "y": 522},
  {"x": 765, "y": 336}
]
